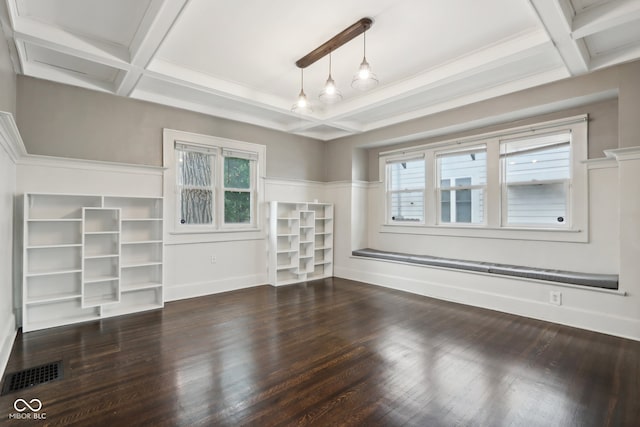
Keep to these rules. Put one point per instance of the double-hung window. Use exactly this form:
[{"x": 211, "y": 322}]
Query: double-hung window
[
  {"x": 536, "y": 180},
  {"x": 405, "y": 190},
  {"x": 215, "y": 183},
  {"x": 462, "y": 181}
]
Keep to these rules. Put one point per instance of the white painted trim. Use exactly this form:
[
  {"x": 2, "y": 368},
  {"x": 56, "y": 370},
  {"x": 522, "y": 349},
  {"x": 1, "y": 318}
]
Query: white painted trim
[
  {"x": 216, "y": 236},
  {"x": 198, "y": 289},
  {"x": 177, "y": 233},
  {"x": 10, "y": 139},
  {"x": 604, "y": 16},
  {"x": 570, "y": 316},
  {"x": 7, "y": 336},
  {"x": 477, "y": 138},
  {"x": 600, "y": 163},
  {"x": 623, "y": 154},
  {"x": 55, "y": 38},
  {"x": 350, "y": 184},
  {"x": 293, "y": 182},
  {"x": 92, "y": 165},
  {"x": 154, "y": 27},
  {"x": 555, "y": 17}
]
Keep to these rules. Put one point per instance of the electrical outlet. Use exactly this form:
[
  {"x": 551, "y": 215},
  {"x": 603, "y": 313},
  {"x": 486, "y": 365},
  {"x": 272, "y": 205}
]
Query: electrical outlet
[
  {"x": 555, "y": 297},
  {"x": 213, "y": 259}
]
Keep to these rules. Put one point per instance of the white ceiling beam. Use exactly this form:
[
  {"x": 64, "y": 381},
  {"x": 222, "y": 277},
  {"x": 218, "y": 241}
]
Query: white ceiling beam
[
  {"x": 305, "y": 122},
  {"x": 604, "y": 16},
  {"x": 40, "y": 71},
  {"x": 172, "y": 73},
  {"x": 481, "y": 94},
  {"x": 616, "y": 57},
  {"x": 158, "y": 20},
  {"x": 62, "y": 41},
  {"x": 54, "y": 38},
  {"x": 208, "y": 109},
  {"x": 345, "y": 125},
  {"x": 311, "y": 122},
  {"x": 556, "y": 17},
  {"x": 126, "y": 81},
  {"x": 324, "y": 136}
]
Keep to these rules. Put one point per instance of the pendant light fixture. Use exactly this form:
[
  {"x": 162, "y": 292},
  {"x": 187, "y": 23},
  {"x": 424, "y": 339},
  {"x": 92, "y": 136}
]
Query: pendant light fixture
[
  {"x": 302, "y": 105},
  {"x": 364, "y": 79},
  {"x": 330, "y": 93}
]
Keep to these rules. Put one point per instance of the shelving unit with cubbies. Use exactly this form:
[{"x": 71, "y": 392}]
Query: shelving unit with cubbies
[
  {"x": 87, "y": 257},
  {"x": 300, "y": 241}
]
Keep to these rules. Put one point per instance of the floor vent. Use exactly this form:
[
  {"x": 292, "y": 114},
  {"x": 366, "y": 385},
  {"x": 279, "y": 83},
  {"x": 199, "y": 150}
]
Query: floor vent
[{"x": 32, "y": 376}]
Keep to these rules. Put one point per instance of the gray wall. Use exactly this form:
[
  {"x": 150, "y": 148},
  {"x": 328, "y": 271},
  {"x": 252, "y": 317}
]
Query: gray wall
[
  {"x": 66, "y": 121},
  {"x": 7, "y": 79},
  {"x": 621, "y": 81}
]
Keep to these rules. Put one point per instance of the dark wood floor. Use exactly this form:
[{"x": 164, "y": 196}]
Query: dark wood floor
[{"x": 331, "y": 352}]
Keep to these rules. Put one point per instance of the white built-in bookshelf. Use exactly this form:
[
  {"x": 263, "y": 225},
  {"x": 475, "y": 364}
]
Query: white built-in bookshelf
[
  {"x": 300, "y": 241},
  {"x": 89, "y": 257}
]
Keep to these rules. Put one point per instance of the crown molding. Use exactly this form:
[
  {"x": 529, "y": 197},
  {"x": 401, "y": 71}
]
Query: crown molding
[
  {"x": 10, "y": 139},
  {"x": 93, "y": 165}
]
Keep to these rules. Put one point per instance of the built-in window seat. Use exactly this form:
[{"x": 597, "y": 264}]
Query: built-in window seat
[{"x": 606, "y": 281}]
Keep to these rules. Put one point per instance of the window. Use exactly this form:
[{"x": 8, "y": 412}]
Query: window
[
  {"x": 216, "y": 182},
  {"x": 195, "y": 173},
  {"x": 406, "y": 183},
  {"x": 536, "y": 180},
  {"x": 528, "y": 183},
  {"x": 238, "y": 186},
  {"x": 462, "y": 182}
]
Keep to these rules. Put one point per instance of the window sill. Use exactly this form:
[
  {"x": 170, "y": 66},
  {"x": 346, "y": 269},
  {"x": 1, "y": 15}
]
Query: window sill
[{"x": 476, "y": 231}]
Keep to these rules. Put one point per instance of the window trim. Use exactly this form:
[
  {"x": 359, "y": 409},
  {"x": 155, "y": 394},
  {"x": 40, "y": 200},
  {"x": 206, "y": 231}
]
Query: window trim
[
  {"x": 493, "y": 227},
  {"x": 258, "y": 151}
]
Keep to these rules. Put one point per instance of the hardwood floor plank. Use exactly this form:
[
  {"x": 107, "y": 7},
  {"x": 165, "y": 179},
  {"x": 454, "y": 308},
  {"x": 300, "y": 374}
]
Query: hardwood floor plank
[{"x": 331, "y": 352}]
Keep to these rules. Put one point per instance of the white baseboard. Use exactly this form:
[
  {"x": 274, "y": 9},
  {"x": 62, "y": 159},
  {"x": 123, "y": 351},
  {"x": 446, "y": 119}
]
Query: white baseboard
[
  {"x": 7, "y": 336},
  {"x": 198, "y": 289},
  {"x": 571, "y": 316}
]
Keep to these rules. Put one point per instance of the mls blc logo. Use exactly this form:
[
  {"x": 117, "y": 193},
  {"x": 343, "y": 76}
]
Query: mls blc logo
[
  {"x": 28, "y": 410},
  {"x": 21, "y": 405}
]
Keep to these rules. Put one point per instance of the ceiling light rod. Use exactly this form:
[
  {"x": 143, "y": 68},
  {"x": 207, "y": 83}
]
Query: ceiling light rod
[{"x": 335, "y": 42}]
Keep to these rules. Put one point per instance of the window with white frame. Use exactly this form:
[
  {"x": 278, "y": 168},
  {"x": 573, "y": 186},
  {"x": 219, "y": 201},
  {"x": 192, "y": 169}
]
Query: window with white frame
[
  {"x": 509, "y": 183},
  {"x": 462, "y": 178},
  {"x": 405, "y": 190},
  {"x": 536, "y": 177},
  {"x": 216, "y": 182},
  {"x": 239, "y": 186}
]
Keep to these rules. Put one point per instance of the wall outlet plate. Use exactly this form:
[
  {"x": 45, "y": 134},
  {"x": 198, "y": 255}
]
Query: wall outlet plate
[{"x": 555, "y": 297}]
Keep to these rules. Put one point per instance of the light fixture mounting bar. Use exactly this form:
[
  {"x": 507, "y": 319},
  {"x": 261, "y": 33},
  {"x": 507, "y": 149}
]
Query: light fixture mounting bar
[{"x": 335, "y": 42}]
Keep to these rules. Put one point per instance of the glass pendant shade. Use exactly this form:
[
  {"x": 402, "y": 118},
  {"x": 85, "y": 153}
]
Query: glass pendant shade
[
  {"x": 302, "y": 105},
  {"x": 330, "y": 93},
  {"x": 364, "y": 79}
]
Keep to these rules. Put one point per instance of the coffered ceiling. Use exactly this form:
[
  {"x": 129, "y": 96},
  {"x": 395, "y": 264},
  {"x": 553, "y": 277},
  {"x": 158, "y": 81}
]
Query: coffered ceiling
[{"x": 236, "y": 59}]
